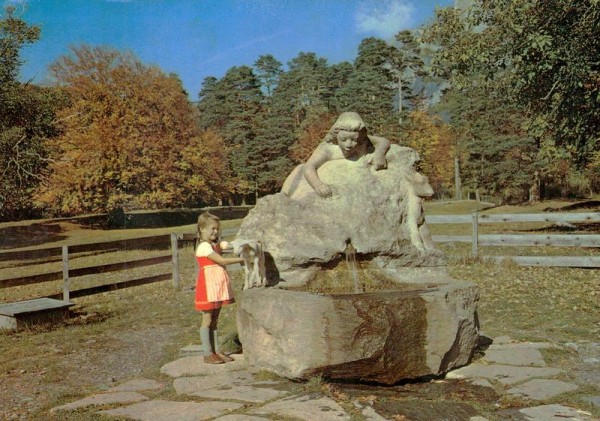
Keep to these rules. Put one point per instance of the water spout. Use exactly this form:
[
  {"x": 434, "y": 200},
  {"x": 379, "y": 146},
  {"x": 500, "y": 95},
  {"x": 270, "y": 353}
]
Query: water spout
[{"x": 350, "y": 253}]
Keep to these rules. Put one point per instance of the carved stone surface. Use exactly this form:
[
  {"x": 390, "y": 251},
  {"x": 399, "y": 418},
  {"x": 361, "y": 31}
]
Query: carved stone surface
[
  {"x": 382, "y": 337},
  {"x": 379, "y": 211}
]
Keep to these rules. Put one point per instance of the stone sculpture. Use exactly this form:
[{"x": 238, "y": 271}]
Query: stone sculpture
[
  {"x": 352, "y": 196},
  {"x": 355, "y": 190}
]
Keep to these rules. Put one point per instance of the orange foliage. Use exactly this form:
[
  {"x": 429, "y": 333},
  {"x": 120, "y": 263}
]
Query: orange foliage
[
  {"x": 130, "y": 139},
  {"x": 310, "y": 136},
  {"x": 434, "y": 141}
]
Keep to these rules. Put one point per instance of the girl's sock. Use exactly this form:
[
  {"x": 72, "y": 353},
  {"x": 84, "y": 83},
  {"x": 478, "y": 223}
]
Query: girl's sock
[
  {"x": 215, "y": 341},
  {"x": 205, "y": 337}
]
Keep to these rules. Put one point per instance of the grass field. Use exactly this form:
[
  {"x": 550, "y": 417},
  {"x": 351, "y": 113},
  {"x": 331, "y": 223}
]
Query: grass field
[{"x": 130, "y": 333}]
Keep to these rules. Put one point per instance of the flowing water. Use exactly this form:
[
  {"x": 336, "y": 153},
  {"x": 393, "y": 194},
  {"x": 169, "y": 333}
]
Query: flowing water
[{"x": 350, "y": 252}]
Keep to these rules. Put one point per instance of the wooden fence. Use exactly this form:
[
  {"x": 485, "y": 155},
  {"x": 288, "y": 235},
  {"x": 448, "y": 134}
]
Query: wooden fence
[
  {"x": 518, "y": 240},
  {"x": 174, "y": 242},
  {"x": 67, "y": 253}
]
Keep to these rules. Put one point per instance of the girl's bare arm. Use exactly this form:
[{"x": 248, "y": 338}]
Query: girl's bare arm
[{"x": 224, "y": 261}]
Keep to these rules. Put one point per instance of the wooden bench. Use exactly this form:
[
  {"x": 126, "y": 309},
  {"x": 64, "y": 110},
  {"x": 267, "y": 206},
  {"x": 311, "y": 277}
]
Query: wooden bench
[{"x": 21, "y": 313}]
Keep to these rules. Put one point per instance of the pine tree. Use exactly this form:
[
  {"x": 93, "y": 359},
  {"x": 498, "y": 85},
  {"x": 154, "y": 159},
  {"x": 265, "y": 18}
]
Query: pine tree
[
  {"x": 268, "y": 71},
  {"x": 232, "y": 107}
]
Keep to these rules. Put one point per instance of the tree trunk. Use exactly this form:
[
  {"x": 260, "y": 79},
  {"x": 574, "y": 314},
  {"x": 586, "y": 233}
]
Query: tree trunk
[
  {"x": 534, "y": 190},
  {"x": 400, "y": 97},
  {"x": 457, "y": 180},
  {"x": 477, "y": 196}
]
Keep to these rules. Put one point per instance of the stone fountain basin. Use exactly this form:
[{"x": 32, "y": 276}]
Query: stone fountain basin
[{"x": 387, "y": 336}]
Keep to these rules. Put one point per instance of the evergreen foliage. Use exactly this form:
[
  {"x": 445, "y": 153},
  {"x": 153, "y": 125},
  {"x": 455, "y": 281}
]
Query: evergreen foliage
[{"x": 27, "y": 118}]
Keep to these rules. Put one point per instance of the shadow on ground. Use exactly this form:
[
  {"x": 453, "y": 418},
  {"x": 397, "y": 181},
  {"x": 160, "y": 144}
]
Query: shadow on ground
[
  {"x": 592, "y": 205},
  {"x": 34, "y": 234}
]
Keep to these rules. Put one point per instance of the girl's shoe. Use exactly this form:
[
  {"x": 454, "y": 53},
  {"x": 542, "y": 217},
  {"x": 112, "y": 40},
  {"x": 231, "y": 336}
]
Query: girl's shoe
[
  {"x": 225, "y": 358},
  {"x": 213, "y": 359}
]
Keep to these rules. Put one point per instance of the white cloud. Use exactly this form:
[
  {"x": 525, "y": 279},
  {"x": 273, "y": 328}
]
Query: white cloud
[
  {"x": 384, "y": 17},
  {"x": 244, "y": 45}
]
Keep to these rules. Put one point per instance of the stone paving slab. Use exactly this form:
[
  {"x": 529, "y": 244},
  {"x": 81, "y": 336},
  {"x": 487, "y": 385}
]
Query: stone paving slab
[
  {"x": 555, "y": 413},
  {"x": 519, "y": 345},
  {"x": 309, "y": 408},
  {"x": 540, "y": 389},
  {"x": 238, "y": 385},
  {"x": 137, "y": 385},
  {"x": 505, "y": 374},
  {"x": 511, "y": 363},
  {"x": 161, "y": 410},
  {"x": 195, "y": 366},
  {"x": 515, "y": 356},
  {"x": 238, "y": 378},
  {"x": 101, "y": 399}
]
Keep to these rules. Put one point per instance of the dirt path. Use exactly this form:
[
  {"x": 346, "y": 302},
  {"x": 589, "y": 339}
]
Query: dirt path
[{"x": 99, "y": 363}]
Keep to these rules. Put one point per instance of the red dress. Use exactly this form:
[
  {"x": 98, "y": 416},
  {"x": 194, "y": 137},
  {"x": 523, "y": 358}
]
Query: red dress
[{"x": 213, "y": 286}]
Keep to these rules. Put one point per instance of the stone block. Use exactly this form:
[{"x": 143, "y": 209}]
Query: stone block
[{"x": 383, "y": 336}]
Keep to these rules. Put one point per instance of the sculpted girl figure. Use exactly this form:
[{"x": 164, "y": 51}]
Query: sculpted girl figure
[{"x": 347, "y": 139}]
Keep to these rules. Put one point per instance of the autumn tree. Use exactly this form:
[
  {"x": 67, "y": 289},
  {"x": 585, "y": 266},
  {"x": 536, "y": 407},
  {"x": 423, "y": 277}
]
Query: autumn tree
[
  {"x": 130, "y": 139},
  {"x": 311, "y": 136},
  {"x": 434, "y": 141}
]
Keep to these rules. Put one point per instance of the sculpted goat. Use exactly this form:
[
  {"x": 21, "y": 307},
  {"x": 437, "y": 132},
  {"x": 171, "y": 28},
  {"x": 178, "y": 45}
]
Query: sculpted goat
[{"x": 254, "y": 262}]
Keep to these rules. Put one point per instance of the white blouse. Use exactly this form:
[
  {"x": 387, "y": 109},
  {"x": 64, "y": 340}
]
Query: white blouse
[{"x": 204, "y": 249}]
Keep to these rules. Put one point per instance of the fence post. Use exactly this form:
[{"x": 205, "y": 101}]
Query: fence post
[
  {"x": 475, "y": 233},
  {"x": 175, "y": 254},
  {"x": 65, "y": 270}
]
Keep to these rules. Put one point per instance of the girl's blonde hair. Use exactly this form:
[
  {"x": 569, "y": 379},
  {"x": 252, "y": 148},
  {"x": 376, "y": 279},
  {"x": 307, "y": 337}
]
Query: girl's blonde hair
[
  {"x": 348, "y": 121},
  {"x": 203, "y": 221}
]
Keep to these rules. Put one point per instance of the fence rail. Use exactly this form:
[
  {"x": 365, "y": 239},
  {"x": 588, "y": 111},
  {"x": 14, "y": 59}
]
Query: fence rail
[
  {"x": 66, "y": 274},
  {"x": 519, "y": 240},
  {"x": 514, "y": 217}
]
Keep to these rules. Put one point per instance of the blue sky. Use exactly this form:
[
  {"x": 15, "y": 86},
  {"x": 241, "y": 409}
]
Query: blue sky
[{"x": 200, "y": 38}]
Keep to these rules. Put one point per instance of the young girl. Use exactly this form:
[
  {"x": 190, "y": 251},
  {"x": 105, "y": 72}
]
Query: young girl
[{"x": 213, "y": 287}]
